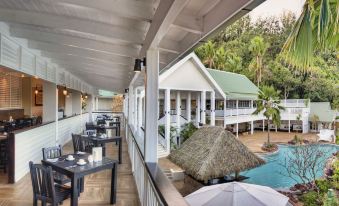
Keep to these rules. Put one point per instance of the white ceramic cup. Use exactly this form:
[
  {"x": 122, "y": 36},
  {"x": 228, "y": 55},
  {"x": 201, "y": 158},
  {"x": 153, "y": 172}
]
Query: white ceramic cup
[
  {"x": 81, "y": 161},
  {"x": 90, "y": 158},
  {"x": 70, "y": 157}
]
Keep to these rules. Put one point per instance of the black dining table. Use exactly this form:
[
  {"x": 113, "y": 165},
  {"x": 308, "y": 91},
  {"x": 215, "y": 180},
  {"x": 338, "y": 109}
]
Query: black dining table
[
  {"x": 100, "y": 141},
  {"x": 75, "y": 172},
  {"x": 115, "y": 127}
]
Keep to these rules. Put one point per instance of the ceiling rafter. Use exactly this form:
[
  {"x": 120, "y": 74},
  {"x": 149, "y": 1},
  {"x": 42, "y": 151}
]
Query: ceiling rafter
[
  {"x": 70, "y": 41},
  {"x": 63, "y": 23}
]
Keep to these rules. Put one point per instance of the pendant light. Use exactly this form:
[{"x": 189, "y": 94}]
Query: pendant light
[{"x": 65, "y": 92}]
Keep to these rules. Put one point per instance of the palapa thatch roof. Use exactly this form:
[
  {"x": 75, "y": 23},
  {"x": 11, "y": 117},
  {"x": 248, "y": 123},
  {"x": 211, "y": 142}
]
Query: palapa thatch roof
[{"x": 213, "y": 152}]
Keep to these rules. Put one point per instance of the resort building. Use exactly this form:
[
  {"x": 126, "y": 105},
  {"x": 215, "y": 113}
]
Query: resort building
[{"x": 190, "y": 92}]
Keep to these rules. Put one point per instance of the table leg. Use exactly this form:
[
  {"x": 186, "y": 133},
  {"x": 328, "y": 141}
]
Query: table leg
[
  {"x": 120, "y": 151},
  {"x": 74, "y": 195},
  {"x": 114, "y": 184},
  {"x": 103, "y": 150}
]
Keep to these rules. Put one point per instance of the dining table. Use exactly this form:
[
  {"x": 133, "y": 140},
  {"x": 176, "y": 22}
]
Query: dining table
[
  {"x": 100, "y": 141},
  {"x": 75, "y": 172},
  {"x": 106, "y": 127}
]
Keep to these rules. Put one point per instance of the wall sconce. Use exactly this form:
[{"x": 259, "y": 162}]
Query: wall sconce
[
  {"x": 86, "y": 95},
  {"x": 36, "y": 91},
  {"x": 65, "y": 92},
  {"x": 138, "y": 64}
]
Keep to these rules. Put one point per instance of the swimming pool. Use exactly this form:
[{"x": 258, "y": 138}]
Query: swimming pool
[{"x": 270, "y": 173}]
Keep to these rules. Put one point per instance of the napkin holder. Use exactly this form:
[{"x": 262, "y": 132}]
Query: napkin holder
[{"x": 97, "y": 154}]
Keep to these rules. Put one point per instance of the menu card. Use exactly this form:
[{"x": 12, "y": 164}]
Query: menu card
[{"x": 97, "y": 154}]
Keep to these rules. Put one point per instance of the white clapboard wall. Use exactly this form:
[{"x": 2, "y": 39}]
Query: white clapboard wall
[
  {"x": 68, "y": 126},
  {"x": 28, "y": 147}
]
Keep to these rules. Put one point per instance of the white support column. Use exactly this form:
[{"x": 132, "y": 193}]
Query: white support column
[
  {"x": 197, "y": 115},
  {"x": 56, "y": 116},
  {"x": 237, "y": 106},
  {"x": 167, "y": 105},
  {"x": 96, "y": 103},
  {"x": 203, "y": 107},
  {"x": 135, "y": 109},
  {"x": 140, "y": 106},
  {"x": 152, "y": 106},
  {"x": 252, "y": 127},
  {"x": 289, "y": 126},
  {"x": 130, "y": 105},
  {"x": 188, "y": 107},
  {"x": 212, "y": 108},
  {"x": 225, "y": 110},
  {"x": 178, "y": 110}
]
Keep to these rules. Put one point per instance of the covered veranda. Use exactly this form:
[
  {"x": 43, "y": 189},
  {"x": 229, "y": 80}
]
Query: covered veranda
[{"x": 90, "y": 45}]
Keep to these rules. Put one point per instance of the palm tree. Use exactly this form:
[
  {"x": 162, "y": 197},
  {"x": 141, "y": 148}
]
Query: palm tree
[
  {"x": 220, "y": 58},
  {"x": 207, "y": 53},
  {"x": 258, "y": 48},
  {"x": 317, "y": 29},
  {"x": 269, "y": 103},
  {"x": 233, "y": 62}
]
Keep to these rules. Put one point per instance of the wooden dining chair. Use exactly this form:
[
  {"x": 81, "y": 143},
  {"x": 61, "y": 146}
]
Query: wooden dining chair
[
  {"x": 82, "y": 144},
  {"x": 44, "y": 188},
  {"x": 51, "y": 153}
]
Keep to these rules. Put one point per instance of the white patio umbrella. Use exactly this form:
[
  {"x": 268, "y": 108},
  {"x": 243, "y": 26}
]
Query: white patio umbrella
[{"x": 236, "y": 194}]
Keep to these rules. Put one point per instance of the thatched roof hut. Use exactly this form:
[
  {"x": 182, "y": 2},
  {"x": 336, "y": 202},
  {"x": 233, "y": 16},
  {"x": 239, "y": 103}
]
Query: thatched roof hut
[{"x": 212, "y": 152}]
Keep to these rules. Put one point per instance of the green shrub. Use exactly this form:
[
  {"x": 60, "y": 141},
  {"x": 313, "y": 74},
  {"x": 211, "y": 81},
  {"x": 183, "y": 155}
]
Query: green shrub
[
  {"x": 323, "y": 185},
  {"x": 187, "y": 131},
  {"x": 310, "y": 199},
  {"x": 330, "y": 199}
]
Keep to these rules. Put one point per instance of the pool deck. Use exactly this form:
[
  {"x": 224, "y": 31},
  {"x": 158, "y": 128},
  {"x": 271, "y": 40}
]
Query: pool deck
[
  {"x": 256, "y": 140},
  {"x": 253, "y": 142}
]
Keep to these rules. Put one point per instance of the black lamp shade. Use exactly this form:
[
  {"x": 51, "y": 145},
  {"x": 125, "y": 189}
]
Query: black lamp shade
[{"x": 137, "y": 65}]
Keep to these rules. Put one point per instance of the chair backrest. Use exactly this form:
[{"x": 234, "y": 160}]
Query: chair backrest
[
  {"x": 90, "y": 126},
  {"x": 51, "y": 152},
  {"x": 42, "y": 181},
  {"x": 77, "y": 143},
  {"x": 101, "y": 121},
  {"x": 81, "y": 144}
]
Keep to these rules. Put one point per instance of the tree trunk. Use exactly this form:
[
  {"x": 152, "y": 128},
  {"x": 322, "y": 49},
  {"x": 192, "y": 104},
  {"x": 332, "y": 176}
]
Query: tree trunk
[{"x": 268, "y": 131}]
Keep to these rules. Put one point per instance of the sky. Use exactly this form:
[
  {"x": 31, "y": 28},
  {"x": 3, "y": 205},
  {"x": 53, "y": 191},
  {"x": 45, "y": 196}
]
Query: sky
[{"x": 277, "y": 7}]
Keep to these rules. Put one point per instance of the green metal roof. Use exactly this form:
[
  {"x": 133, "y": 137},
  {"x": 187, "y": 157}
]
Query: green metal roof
[
  {"x": 235, "y": 86},
  {"x": 323, "y": 111}
]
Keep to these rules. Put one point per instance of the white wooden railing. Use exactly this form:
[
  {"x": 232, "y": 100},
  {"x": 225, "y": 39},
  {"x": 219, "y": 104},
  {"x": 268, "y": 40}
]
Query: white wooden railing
[{"x": 149, "y": 178}]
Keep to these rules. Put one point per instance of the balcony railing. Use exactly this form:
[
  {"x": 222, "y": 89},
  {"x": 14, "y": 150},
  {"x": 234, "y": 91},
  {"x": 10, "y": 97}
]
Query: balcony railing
[
  {"x": 153, "y": 186},
  {"x": 295, "y": 103}
]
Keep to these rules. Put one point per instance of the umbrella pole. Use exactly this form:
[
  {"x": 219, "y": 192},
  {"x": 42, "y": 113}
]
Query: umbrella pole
[{"x": 236, "y": 175}]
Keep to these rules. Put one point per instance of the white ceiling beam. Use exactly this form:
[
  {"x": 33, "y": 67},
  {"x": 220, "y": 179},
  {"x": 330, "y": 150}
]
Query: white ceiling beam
[
  {"x": 78, "y": 51},
  {"x": 167, "y": 45},
  {"x": 222, "y": 12},
  {"x": 76, "y": 60},
  {"x": 138, "y": 10},
  {"x": 97, "y": 68},
  {"x": 164, "y": 16},
  {"x": 70, "y": 41},
  {"x": 116, "y": 60},
  {"x": 188, "y": 23},
  {"x": 63, "y": 23}
]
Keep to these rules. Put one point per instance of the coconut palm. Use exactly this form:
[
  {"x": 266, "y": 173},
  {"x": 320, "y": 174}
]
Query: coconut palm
[
  {"x": 316, "y": 29},
  {"x": 207, "y": 53},
  {"x": 258, "y": 48},
  {"x": 269, "y": 103},
  {"x": 220, "y": 58},
  {"x": 233, "y": 62}
]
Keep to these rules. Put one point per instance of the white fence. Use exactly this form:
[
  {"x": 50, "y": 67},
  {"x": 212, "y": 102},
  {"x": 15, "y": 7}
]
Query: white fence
[{"x": 147, "y": 193}]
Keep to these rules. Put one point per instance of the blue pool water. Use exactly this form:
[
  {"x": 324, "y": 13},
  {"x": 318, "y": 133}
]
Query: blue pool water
[{"x": 271, "y": 175}]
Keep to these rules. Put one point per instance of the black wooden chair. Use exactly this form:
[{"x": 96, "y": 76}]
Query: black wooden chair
[
  {"x": 44, "y": 188},
  {"x": 51, "y": 153},
  {"x": 81, "y": 144},
  {"x": 90, "y": 126}
]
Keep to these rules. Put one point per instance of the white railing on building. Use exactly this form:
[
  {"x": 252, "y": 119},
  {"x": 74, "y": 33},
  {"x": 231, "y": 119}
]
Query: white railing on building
[{"x": 295, "y": 103}]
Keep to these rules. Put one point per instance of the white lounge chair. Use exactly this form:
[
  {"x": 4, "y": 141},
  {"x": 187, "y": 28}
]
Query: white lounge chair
[{"x": 326, "y": 135}]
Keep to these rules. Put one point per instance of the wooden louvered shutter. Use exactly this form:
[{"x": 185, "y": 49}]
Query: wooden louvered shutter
[
  {"x": 4, "y": 90},
  {"x": 15, "y": 92}
]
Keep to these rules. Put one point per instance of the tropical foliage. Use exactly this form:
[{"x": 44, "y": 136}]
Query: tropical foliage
[
  {"x": 269, "y": 103},
  {"x": 317, "y": 29},
  {"x": 230, "y": 51}
]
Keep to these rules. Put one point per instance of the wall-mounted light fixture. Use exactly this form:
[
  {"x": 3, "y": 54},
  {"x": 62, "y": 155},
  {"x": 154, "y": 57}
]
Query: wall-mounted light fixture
[
  {"x": 22, "y": 75},
  {"x": 36, "y": 91},
  {"x": 126, "y": 90},
  {"x": 64, "y": 91},
  {"x": 138, "y": 64}
]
